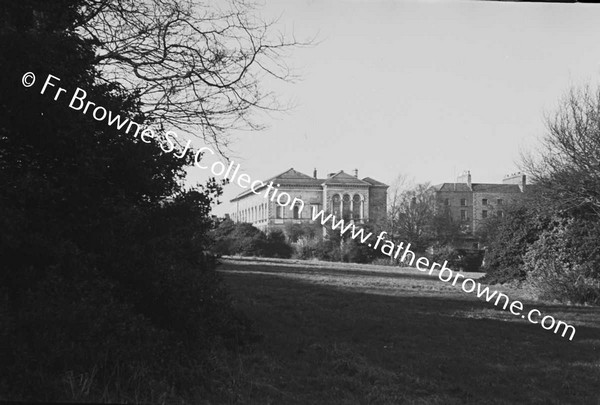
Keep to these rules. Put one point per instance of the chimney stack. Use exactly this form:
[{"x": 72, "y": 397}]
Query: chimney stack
[
  {"x": 315, "y": 173},
  {"x": 465, "y": 177},
  {"x": 517, "y": 178},
  {"x": 356, "y": 173}
]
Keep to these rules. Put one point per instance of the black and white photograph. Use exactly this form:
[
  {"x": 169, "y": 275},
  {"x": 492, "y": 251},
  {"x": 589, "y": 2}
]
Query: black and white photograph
[{"x": 299, "y": 202}]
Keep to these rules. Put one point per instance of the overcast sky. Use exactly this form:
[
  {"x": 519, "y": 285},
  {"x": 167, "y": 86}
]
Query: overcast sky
[{"x": 422, "y": 88}]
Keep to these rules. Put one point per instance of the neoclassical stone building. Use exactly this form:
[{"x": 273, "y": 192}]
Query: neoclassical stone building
[{"x": 339, "y": 193}]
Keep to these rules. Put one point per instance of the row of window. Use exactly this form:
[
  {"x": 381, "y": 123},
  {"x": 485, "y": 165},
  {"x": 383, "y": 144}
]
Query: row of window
[
  {"x": 484, "y": 201},
  {"x": 484, "y": 214},
  {"x": 354, "y": 208},
  {"x": 347, "y": 206},
  {"x": 280, "y": 212},
  {"x": 499, "y": 201},
  {"x": 252, "y": 214}
]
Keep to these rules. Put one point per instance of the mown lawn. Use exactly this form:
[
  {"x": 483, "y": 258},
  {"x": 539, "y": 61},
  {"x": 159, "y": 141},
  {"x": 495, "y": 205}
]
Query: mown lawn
[{"x": 377, "y": 335}]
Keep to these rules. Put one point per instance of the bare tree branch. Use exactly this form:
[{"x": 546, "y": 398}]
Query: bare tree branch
[
  {"x": 198, "y": 67},
  {"x": 567, "y": 166}
]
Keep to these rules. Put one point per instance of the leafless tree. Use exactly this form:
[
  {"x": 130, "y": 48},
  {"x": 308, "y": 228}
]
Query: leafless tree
[
  {"x": 567, "y": 166},
  {"x": 392, "y": 224},
  {"x": 198, "y": 66},
  {"x": 418, "y": 211},
  {"x": 411, "y": 209},
  {"x": 400, "y": 185}
]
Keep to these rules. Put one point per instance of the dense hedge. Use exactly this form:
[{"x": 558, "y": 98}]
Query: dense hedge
[
  {"x": 555, "y": 252},
  {"x": 458, "y": 259},
  {"x": 564, "y": 263},
  {"x": 230, "y": 238},
  {"x": 301, "y": 241},
  {"x": 507, "y": 240}
]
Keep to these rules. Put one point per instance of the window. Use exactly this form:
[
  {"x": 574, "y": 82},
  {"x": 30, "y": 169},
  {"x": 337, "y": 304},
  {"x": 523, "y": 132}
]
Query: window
[
  {"x": 484, "y": 201},
  {"x": 463, "y": 215},
  {"x": 500, "y": 201},
  {"x": 446, "y": 201},
  {"x": 346, "y": 206},
  {"x": 314, "y": 208},
  {"x": 296, "y": 212},
  {"x": 501, "y": 214},
  {"x": 356, "y": 205},
  {"x": 475, "y": 245},
  {"x": 335, "y": 202},
  {"x": 484, "y": 214},
  {"x": 279, "y": 212},
  {"x": 463, "y": 202}
]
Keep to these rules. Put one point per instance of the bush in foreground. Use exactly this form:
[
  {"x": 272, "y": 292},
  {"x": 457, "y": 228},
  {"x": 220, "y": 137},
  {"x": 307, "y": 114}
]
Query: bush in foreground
[
  {"x": 106, "y": 290},
  {"x": 244, "y": 239},
  {"x": 507, "y": 240},
  {"x": 564, "y": 263}
]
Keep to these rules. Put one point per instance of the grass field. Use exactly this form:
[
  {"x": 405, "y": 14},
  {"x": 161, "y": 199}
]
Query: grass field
[{"x": 346, "y": 334}]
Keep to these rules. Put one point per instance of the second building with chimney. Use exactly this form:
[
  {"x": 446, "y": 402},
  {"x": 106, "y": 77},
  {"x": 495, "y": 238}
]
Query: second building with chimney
[{"x": 469, "y": 204}]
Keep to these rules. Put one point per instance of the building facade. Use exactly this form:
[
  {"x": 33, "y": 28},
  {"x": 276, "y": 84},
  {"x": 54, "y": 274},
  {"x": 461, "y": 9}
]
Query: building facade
[
  {"x": 339, "y": 193},
  {"x": 469, "y": 204}
]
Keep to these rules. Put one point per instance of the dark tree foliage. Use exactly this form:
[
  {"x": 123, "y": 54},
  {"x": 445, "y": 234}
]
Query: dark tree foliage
[
  {"x": 276, "y": 245},
  {"x": 305, "y": 241},
  {"x": 343, "y": 248},
  {"x": 563, "y": 263},
  {"x": 551, "y": 241},
  {"x": 221, "y": 243},
  {"x": 356, "y": 252},
  {"x": 247, "y": 240},
  {"x": 307, "y": 230},
  {"x": 230, "y": 238},
  {"x": 444, "y": 231},
  {"x": 507, "y": 239},
  {"x": 106, "y": 292}
]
